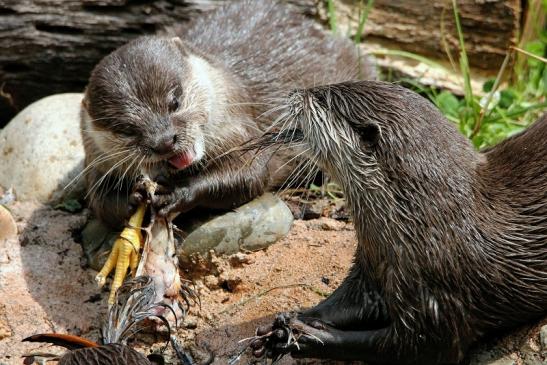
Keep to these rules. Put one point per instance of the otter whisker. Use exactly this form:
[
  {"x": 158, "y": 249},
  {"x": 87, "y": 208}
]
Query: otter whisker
[
  {"x": 121, "y": 178},
  {"x": 271, "y": 111},
  {"x": 307, "y": 150},
  {"x": 103, "y": 157},
  {"x": 105, "y": 175},
  {"x": 296, "y": 175}
]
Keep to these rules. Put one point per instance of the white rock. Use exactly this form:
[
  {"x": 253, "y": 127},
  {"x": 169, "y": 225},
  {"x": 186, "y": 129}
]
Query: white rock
[
  {"x": 41, "y": 149},
  {"x": 251, "y": 227},
  {"x": 8, "y": 228}
]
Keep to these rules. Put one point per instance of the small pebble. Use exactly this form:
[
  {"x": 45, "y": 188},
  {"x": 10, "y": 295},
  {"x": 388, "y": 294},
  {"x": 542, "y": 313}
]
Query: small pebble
[
  {"x": 239, "y": 259},
  {"x": 190, "y": 323},
  {"x": 211, "y": 282}
]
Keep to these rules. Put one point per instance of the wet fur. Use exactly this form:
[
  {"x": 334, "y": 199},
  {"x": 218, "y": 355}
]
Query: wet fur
[
  {"x": 452, "y": 242},
  {"x": 226, "y": 82}
]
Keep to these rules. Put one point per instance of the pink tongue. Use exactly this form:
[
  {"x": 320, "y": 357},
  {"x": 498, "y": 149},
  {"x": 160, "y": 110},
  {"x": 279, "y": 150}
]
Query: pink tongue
[{"x": 182, "y": 160}]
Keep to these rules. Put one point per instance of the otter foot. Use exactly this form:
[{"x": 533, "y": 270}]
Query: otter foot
[
  {"x": 301, "y": 338},
  {"x": 286, "y": 335}
]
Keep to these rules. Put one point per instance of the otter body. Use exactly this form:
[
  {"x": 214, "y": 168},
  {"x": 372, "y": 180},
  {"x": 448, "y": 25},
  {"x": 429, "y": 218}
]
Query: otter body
[
  {"x": 452, "y": 243},
  {"x": 176, "y": 105}
]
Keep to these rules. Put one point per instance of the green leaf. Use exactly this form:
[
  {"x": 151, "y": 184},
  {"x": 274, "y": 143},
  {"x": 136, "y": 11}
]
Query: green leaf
[
  {"x": 448, "y": 103},
  {"x": 69, "y": 205},
  {"x": 488, "y": 85},
  {"x": 507, "y": 98}
]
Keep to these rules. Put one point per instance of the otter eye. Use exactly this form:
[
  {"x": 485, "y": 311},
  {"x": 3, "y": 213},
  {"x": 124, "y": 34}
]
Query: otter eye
[
  {"x": 173, "y": 105},
  {"x": 126, "y": 131}
]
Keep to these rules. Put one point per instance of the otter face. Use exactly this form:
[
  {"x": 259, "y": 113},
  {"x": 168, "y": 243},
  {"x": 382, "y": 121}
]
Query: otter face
[
  {"x": 147, "y": 103},
  {"x": 340, "y": 132}
]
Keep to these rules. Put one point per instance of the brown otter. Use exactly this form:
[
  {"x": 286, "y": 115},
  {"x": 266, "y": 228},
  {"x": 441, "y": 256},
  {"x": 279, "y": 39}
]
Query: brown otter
[
  {"x": 452, "y": 242},
  {"x": 178, "y": 104}
]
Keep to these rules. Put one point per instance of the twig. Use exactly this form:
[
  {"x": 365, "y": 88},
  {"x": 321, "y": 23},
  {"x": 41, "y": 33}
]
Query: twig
[
  {"x": 266, "y": 291},
  {"x": 484, "y": 109},
  {"x": 539, "y": 58}
]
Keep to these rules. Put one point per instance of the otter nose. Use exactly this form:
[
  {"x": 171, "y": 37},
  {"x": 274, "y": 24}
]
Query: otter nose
[{"x": 165, "y": 144}]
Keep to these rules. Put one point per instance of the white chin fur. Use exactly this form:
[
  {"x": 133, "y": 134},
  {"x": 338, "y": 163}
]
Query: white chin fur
[
  {"x": 100, "y": 137},
  {"x": 202, "y": 76},
  {"x": 199, "y": 148}
]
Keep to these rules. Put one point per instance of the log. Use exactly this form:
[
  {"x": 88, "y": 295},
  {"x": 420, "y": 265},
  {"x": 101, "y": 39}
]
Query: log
[
  {"x": 50, "y": 46},
  {"x": 490, "y": 27}
]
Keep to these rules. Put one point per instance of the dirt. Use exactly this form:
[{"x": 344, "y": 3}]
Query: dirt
[{"x": 45, "y": 286}]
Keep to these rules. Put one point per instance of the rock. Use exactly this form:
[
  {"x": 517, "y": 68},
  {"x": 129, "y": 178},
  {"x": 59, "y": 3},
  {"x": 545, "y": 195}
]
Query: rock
[
  {"x": 250, "y": 227},
  {"x": 41, "y": 150},
  {"x": 332, "y": 225},
  {"x": 239, "y": 259},
  {"x": 8, "y": 228},
  {"x": 190, "y": 323},
  {"x": 492, "y": 357},
  {"x": 211, "y": 282},
  {"x": 506, "y": 360},
  {"x": 543, "y": 337},
  {"x": 530, "y": 352},
  {"x": 6, "y": 197}
]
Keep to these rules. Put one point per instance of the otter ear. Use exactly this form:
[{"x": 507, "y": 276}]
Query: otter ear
[
  {"x": 181, "y": 46},
  {"x": 370, "y": 133}
]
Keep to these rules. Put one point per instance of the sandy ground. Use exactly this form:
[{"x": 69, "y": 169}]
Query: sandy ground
[{"x": 45, "y": 287}]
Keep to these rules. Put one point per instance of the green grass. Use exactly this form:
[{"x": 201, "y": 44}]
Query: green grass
[
  {"x": 331, "y": 11},
  {"x": 501, "y": 112},
  {"x": 511, "y": 101}
]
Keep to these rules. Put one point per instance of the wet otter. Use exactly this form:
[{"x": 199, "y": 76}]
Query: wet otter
[
  {"x": 452, "y": 242},
  {"x": 178, "y": 104}
]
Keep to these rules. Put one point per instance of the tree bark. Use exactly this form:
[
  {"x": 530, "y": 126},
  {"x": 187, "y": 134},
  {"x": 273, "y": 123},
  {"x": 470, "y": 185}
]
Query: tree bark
[
  {"x": 489, "y": 27},
  {"x": 50, "y": 46}
]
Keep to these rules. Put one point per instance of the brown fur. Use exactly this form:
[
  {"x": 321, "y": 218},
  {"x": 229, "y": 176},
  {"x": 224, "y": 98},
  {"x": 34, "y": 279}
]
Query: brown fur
[
  {"x": 243, "y": 55},
  {"x": 452, "y": 242}
]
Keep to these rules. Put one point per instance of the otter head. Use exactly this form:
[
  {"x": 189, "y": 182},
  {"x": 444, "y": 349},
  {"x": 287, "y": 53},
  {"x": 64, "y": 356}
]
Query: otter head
[
  {"x": 149, "y": 103},
  {"x": 378, "y": 140},
  {"x": 339, "y": 130}
]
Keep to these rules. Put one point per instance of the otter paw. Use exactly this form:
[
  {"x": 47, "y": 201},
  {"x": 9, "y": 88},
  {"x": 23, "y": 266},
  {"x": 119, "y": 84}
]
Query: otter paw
[
  {"x": 181, "y": 200},
  {"x": 290, "y": 334},
  {"x": 138, "y": 196}
]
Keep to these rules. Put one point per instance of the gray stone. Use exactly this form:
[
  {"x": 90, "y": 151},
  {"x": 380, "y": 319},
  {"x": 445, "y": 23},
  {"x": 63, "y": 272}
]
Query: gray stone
[
  {"x": 506, "y": 360},
  {"x": 494, "y": 356},
  {"x": 41, "y": 150},
  {"x": 250, "y": 227},
  {"x": 543, "y": 337}
]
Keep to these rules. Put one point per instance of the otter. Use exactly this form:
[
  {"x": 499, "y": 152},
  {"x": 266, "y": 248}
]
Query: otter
[
  {"x": 452, "y": 243},
  {"x": 177, "y": 104}
]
